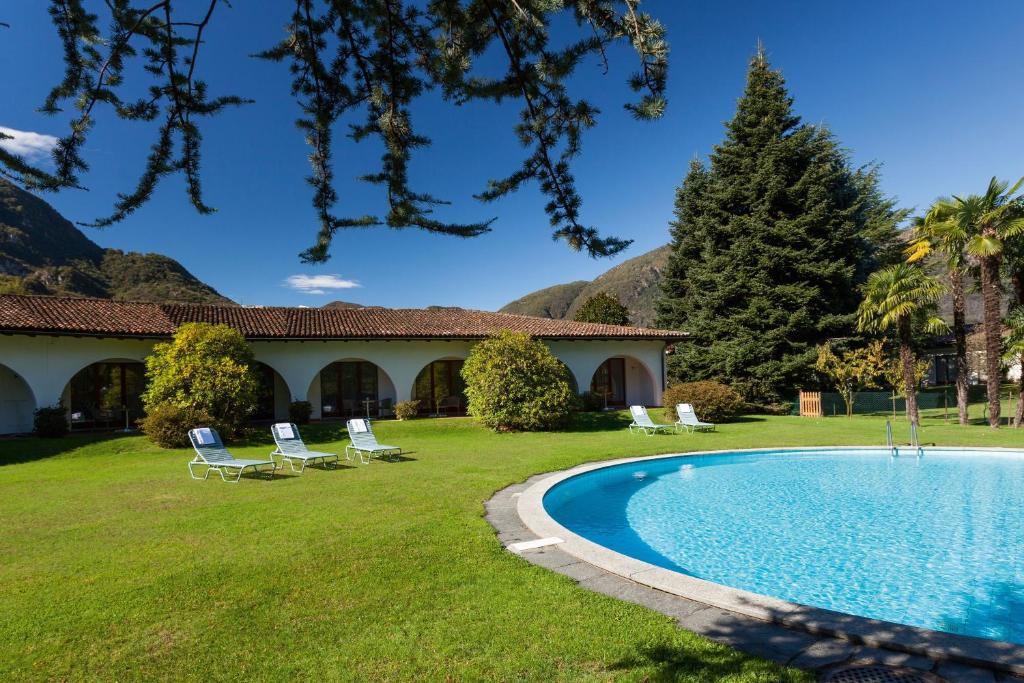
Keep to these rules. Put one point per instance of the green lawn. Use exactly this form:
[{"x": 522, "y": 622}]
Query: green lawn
[{"x": 116, "y": 565}]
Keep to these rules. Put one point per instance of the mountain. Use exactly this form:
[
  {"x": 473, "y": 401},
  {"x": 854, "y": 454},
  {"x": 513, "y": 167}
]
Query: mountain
[
  {"x": 41, "y": 252},
  {"x": 550, "y": 302},
  {"x": 634, "y": 282}
]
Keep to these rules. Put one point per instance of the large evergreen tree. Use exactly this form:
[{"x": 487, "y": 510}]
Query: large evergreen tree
[{"x": 770, "y": 242}]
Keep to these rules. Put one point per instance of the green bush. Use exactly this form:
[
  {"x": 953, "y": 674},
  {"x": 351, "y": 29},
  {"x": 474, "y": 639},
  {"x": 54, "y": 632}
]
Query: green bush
[
  {"x": 712, "y": 401},
  {"x": 167, "y": 425},
  {"x": 50, "y": 421},
  {"x": 206, "y": 368},
  {"x": 406, "y": 410},
  {"x": 300, "y": 411},
  {"x": 513, "y": 382},
  {"x": 590, "y": 402}
]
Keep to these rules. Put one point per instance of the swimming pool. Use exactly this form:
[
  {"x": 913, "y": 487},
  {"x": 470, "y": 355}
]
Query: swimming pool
[{"x": 934, "y": 542}]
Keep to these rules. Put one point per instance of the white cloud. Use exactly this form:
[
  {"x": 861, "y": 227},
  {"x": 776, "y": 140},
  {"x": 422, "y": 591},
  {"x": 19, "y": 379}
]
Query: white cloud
[
  {"x": 32, "y": 146},
  {"x": 318, "y": 284}
]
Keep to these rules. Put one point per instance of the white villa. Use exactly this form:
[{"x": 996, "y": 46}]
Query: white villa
[{"x": 87, "y": 354}]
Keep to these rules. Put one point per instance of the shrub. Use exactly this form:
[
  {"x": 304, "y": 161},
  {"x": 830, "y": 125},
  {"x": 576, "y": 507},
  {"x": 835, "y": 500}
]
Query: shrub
[
  {"x": 167, "y": 425},
  {"x": 513, "y": 382},
  {"x": 406, "y": 410},
  {"x": 299, "y": 412},
  {"x": 205, "y": 368},
  {"x": 590, "y": 402},
  {"x": 50, "y": 421},
  {"x": 712, "y": 401}
]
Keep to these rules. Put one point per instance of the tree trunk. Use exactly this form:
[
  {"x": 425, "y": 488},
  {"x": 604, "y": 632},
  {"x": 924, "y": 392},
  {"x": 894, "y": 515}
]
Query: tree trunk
[
  {"x": 1017, "y": 279},
  {"x": 909, "y": 378},
  {"x": 956, "y": 286},
  {"x": 1020, "y": 399},
  {"x": 993, "y": 336}
]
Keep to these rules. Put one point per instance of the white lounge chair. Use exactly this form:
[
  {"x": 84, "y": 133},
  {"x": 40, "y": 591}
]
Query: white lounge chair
[
  {"x": 364, "y": 443},
  {"x": 689, "y": 421},
  {"x": 292, "y": 449},
  {"x": 210, "y": 451},
  {"x": 643, "y": 422}
]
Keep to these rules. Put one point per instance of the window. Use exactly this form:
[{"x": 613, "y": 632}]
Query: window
[
  {"x": 440, "y": 389},
  {"x": 346, "y": 386},
  {"x": 101, "y": 394},
  {"x": 610, "y": 381}
]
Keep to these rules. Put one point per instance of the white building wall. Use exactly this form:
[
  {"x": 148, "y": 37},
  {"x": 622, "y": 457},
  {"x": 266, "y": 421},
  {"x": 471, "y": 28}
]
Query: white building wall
[
  {"x": 645, "y": 365},
  {"x": 16, "y": 403},
  {"x": 47, "y": 364}
]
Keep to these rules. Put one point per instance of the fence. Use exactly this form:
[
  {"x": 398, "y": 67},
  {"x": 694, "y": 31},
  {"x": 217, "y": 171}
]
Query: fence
[{"x": 867, "y": 402}]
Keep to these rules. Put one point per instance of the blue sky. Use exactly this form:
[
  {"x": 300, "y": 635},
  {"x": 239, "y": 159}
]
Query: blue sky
[{"x": 932, "y": 90}]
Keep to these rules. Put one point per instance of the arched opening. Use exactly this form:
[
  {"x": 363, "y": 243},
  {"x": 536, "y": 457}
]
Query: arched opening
[
  {"x": 16, "y": 403},
  {"x": 622, "y": 381},
  {"x": 106, "y": 395},
  {"x": 352, "y": 388},
  {"x": 272, "y": 397},
  {"x": 440, "y": 389}
]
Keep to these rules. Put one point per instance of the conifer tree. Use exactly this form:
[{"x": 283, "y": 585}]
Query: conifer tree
[
  {"x": 603, "y": 308},
  {"x": 769, "y": 244}
]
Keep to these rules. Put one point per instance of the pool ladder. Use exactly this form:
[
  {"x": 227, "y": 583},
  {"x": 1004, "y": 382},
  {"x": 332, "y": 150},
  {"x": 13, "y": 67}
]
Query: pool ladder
[{"x": 915, "y": 442}]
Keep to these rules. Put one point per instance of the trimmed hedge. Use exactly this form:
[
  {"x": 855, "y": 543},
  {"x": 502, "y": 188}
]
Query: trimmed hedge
[
  {"x": 167, "y": 425},
  {"x": 50, "y": 421},
  {"x": 406, "y": 410},
  {"x": 300, "y": 411},
  {"x": 712, "y": 401}
]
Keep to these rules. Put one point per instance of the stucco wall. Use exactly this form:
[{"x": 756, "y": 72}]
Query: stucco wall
[
  {"x": 47, "y": 364},
  {"x": 16, "y": 403}
]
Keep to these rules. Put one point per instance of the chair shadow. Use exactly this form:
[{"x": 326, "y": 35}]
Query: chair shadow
[{"x": 395, "y": 459}]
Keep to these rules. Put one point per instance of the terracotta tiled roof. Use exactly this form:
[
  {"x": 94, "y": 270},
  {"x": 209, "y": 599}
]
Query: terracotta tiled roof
[{"x": 101, "y": 317}]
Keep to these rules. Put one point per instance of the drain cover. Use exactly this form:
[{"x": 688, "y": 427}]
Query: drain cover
[{"x": 873, "y": 673}]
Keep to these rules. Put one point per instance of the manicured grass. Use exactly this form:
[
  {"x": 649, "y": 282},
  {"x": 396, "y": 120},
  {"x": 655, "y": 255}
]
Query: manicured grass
[{"x": 116, "y": 565}]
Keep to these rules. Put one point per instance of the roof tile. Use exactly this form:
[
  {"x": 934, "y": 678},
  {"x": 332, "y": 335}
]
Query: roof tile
[{"x": 64, "y": 315}]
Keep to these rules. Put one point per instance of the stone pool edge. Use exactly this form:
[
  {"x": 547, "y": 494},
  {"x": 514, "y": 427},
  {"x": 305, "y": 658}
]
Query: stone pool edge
[{"x": 934, "y": 645}]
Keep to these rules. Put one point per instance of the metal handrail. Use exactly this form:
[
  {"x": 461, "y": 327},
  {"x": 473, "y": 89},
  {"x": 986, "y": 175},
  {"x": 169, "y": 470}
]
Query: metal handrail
[{"x": 888, "y": 440}]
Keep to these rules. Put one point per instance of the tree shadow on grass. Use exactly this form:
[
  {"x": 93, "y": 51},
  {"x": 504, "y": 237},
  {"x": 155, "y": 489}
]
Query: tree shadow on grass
[
  {"x": 22, "y": 449},
  {"x": 599, "y": 422},
  {"x": 673, "y": 663}
]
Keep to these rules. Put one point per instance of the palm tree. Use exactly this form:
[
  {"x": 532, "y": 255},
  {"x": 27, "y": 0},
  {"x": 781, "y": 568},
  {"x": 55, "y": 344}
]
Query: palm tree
[
  {"x": 934, "y": 233},
  {"x": 1013, "y": 352},
  {"x": 899, "y": 298},
  {"x": 989, "y": 221}
]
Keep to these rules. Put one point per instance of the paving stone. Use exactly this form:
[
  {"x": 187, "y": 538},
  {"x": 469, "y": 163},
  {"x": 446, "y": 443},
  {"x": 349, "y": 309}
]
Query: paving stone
[
  {"x": 630, "y": 591},
  {"x": 549, "y": 556},
  {"x": 824, "y": 653},
  {"x": 503, "y": 518},
  {"x": 580, "y": 571},
  {"x": 875, "y": 655},
  {"x": 961, "y": 673},
  {"x": 760, "y": 638},
  {"x": 507, "y": 538}
]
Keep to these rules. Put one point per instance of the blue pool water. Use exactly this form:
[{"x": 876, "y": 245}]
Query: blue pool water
[{"x": 936, "y": 542}]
